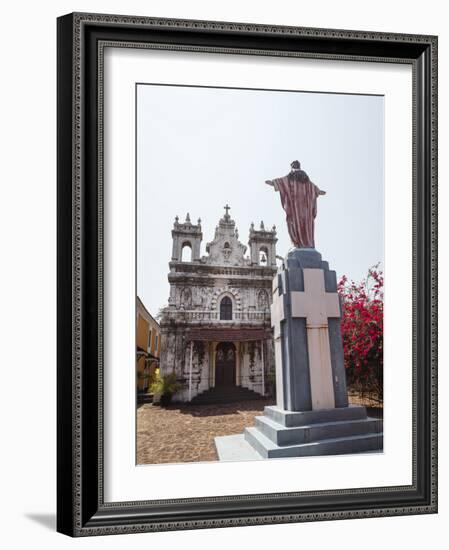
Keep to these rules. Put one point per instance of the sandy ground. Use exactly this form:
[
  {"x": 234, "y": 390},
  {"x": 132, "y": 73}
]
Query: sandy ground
[{"x": 185, "y": 433}]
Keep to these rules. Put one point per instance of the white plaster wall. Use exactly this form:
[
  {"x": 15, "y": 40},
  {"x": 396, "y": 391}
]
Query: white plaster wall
[{"x": 251, "y": 376}]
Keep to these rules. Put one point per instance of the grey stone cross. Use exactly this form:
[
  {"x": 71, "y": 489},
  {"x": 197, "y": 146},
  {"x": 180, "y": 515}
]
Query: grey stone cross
[{"x": 316, "y": 306}]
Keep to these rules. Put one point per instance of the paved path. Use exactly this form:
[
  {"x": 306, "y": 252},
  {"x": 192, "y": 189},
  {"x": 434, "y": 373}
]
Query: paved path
[{"x": 183, "y": 433}]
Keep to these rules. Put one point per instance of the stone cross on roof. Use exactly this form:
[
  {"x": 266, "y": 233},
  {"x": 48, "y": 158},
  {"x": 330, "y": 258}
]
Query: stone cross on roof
[{"x": 227, "y": 208}]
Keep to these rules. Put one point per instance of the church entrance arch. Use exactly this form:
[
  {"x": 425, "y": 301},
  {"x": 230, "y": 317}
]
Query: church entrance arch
[{"x": 225, "y": 364}]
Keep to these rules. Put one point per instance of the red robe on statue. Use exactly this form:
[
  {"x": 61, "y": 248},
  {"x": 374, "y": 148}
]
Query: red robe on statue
[{"x": 298, "y": 199}]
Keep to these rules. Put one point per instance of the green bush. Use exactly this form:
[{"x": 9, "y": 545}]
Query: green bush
[{"x": 165, "y": 385}]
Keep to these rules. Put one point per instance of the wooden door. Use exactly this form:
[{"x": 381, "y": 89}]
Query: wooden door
[{"x": 225, "y": 364}]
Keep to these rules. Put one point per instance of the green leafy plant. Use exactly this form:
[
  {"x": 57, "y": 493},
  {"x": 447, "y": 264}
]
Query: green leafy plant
[
  {"x": 166, "y": 386},
  {"x": 148, "y": 376}
]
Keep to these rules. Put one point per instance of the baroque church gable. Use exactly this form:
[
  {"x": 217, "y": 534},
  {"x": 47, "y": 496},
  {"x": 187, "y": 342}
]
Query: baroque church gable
[{"x": 226, "y": 249}]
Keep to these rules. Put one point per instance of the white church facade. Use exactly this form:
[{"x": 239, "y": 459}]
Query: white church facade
[{"x": 216, "y": 330}]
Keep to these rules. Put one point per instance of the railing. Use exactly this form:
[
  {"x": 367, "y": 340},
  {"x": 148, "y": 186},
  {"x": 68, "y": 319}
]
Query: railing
[{"x": 197, "y": 315}]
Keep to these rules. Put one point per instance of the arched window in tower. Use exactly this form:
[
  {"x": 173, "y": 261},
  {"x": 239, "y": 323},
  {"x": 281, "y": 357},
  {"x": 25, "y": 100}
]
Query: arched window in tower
[
  {"x": 226, "y": 309},
  {"x": 186, "y": 252},
  {"x": 263, "y": 256}
]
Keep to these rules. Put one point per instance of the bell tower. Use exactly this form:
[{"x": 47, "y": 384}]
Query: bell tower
[
  {"x": 262, "y": 245},
  {"x": 186, "y": 234}
]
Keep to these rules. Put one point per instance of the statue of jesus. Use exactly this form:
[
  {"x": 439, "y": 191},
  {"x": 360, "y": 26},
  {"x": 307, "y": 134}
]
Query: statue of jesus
[{"x": 298, "y": 198}]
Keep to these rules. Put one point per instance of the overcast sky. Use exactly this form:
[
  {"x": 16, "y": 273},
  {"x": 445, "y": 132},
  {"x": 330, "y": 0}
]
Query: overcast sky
[{"x": 200, "y": 148}]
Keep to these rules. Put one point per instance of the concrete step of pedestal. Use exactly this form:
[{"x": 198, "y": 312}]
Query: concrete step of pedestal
[
  {"x": 340, "y": 445},
  {"x": 282, "y": 435},
  {"x": 305, "y": 418}
]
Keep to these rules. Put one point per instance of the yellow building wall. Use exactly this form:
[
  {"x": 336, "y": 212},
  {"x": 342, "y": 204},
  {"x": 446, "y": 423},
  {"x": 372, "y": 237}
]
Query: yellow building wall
[
  {"x": 142, "y": 383},
  {"x": 142, "y": 333},
  {"x": 153, "y": 347}
]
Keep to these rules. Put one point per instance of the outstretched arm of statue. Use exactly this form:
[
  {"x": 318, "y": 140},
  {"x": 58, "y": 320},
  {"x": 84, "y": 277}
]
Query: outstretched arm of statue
[
  {"x": 269, "y": 182},
  {"x": 318, "y": 191}
]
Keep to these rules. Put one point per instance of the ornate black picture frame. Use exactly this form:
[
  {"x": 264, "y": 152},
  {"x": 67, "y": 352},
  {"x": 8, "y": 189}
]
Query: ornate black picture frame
[{"x": 81, "y": 510}]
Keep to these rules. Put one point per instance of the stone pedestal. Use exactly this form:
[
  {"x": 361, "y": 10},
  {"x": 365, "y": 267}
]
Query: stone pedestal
[
  {"x": 312, "y": 416},
  {"x": 280, "y": 433},
  {"x": 305, "y": 316}
]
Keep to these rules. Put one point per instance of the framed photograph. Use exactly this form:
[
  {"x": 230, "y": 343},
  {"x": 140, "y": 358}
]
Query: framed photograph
[{"x": 247, "y": 274}]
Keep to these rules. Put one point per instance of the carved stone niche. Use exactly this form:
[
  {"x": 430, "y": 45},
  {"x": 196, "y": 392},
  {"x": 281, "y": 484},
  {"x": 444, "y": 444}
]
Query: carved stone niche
[
  {"x": 186, "y": 298},
  {"x": 226, "y": 251}
]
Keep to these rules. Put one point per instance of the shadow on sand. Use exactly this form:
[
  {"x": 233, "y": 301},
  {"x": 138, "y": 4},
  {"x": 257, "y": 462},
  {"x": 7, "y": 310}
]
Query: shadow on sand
[{"x": 220, "y": 409}]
